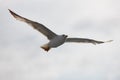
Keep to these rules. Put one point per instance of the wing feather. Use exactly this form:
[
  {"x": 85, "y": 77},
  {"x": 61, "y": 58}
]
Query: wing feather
[
  {"x": 40, "y": 27},
  {"x": 84, "y": 40}
]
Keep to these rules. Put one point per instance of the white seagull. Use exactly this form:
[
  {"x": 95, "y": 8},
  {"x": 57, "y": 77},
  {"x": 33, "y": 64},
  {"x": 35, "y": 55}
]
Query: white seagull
[{"x": 55, "y": 40}]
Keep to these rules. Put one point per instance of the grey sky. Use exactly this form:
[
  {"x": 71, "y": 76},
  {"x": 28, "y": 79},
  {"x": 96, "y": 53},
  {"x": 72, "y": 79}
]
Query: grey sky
[{"x": 21, "y": 57}]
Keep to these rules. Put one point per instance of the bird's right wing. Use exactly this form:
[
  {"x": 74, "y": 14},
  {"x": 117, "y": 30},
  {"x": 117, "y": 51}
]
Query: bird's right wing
[
  {"x": 84, "y": 40},
  {"x": 41, "y": 28}
]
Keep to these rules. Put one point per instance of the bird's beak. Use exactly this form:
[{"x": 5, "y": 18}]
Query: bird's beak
[{"x": 66, "y": 35}]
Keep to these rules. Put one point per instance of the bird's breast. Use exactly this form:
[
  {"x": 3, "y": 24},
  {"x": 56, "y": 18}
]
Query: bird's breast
[{"x": 57, "y": 41}]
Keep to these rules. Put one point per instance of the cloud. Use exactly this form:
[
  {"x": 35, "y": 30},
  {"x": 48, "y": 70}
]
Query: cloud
[{"x": 22, "y": 58}]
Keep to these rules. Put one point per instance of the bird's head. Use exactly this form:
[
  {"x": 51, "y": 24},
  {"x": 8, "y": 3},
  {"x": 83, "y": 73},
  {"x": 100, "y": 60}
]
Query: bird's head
[{"x": 65, "y": 35}]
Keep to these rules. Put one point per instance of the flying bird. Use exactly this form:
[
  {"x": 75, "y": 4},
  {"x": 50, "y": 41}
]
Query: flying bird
[{"x": 55, "y": 40}]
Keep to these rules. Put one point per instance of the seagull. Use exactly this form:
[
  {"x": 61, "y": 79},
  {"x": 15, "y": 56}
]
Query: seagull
[{"x": 55, "y": 40}]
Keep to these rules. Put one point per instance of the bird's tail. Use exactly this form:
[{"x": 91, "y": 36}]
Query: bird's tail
[{"x": 45, "y": 47}]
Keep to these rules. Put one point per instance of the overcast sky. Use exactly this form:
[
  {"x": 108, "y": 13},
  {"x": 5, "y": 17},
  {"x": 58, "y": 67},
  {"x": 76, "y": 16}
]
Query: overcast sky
[{"x": 21, "y": 57}]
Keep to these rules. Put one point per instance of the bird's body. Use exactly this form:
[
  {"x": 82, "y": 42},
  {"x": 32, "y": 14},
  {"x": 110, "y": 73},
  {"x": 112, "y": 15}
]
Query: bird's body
[{"x": 55, "y": 40}]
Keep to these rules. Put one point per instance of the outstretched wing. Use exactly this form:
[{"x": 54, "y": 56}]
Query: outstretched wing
[
  {"x": 41, "y": 28},
  {"x": 84, "y": 40}
]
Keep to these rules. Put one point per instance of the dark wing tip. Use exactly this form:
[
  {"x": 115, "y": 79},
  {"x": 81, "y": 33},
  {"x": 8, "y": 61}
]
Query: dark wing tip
[
  {"x": 9, "y": 9},
  {"x": 13, "y": 14}
]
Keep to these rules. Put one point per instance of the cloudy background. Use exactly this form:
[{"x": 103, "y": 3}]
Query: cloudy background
[{"x": 21, "y": 57}]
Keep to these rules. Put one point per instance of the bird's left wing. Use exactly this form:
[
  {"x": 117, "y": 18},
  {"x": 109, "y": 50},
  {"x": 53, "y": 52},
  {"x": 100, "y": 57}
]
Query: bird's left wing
[
  {"x": 84, "y": 40},
  {"x": 41, "y": 28}
]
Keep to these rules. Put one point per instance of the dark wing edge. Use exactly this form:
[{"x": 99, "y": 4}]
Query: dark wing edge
[
  {"x": 85, "y": 40},
  {"x": 41, "y": 28}
]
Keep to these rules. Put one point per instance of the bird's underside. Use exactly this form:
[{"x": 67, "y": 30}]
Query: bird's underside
[{"x": 51, "y": 35}]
